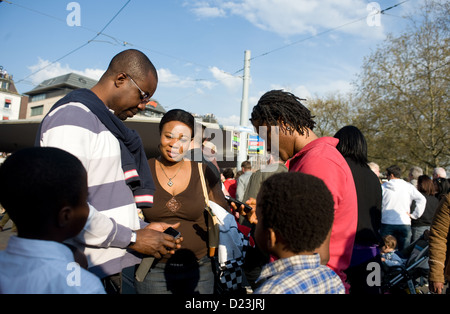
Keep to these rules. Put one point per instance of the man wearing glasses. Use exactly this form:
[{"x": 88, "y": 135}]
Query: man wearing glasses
[{"x": 89, "y": 124}]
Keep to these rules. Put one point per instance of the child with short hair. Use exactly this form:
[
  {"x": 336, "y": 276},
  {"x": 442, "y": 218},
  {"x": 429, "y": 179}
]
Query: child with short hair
[
  {"x": 389, "y": 257},
  {"x": 44, "y": 190},
  {"x": 294, "y": 215}
]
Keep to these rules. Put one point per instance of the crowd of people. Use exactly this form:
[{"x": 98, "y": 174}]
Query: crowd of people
[{"x": 319, "y": 210}]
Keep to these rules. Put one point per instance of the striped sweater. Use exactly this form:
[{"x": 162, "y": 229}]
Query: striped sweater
[{"x": 113, "y": 212}]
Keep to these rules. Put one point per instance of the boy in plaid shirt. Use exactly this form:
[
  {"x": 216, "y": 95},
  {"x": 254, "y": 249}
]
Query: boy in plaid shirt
[{"x": 294, "y": 214}]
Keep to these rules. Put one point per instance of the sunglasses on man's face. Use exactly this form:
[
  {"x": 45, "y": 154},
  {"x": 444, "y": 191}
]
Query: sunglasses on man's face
[{"x": 144, "y": 96}]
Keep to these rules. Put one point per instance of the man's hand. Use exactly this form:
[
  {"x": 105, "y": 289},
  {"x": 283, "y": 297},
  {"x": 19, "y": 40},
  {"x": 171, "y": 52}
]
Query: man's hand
[
  {"x": 436, "y": 287},
  {"x": 152, "y": 241},
  {"x": 250, "y": 215}
]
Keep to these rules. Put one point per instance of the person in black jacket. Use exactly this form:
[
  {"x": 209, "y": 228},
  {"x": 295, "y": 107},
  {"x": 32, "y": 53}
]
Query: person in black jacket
[{"x": 353, "y": 146}]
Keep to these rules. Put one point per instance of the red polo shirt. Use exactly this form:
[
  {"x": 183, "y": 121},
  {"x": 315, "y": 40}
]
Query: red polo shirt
[{"x": 320, "y": 158}]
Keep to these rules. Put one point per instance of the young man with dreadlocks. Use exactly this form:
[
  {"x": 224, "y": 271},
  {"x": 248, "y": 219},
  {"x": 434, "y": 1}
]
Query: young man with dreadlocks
[{"x": 307, "y": 153}]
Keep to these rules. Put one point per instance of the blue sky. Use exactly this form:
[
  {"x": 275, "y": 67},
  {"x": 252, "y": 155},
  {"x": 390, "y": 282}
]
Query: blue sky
[{"x": 308, "y": 47}]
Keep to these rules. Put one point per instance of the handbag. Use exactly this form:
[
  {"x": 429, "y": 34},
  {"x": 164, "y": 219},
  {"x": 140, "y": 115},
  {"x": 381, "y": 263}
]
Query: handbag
[{"x": 227, "y": 245}]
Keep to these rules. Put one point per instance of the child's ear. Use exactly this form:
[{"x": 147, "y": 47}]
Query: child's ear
[
  {"x": 271, "y": 238},
  {"x": 64, "y": 216}
]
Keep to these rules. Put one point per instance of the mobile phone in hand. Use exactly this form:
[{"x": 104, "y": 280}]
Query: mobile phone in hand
[
  {"x": 174, "y": 233},
  {"x": 247, "y": 208}
]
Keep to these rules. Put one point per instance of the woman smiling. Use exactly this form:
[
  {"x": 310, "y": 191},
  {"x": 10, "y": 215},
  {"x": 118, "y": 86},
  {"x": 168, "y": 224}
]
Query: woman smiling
[{"x": 179, "y": 198}]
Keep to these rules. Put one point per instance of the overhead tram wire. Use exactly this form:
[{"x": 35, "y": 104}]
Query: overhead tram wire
[
  {"x": 124, "y": 43},
  {"x": 318, "y": 34},
  {"x": 78, "y": 48},
  {"x": 118, "y": 42},
  {"x": 234, "y": 74}
]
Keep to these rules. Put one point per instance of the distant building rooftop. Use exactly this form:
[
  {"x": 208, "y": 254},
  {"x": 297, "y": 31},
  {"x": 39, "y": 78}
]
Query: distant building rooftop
[
  {"x": 70, "y": 80},
  {"x": 6, "y": 82}
]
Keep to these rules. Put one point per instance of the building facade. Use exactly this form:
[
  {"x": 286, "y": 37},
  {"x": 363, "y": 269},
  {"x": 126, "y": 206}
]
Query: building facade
[
  {"x": 10, "y": 99},
  {"x": 47, "y": 93}
]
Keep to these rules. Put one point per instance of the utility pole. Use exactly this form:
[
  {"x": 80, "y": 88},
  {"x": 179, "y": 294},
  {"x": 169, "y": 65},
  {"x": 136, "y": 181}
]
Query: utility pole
[
  {"x": 242, "y": 155},
  {"x": 244, "y": 103}
]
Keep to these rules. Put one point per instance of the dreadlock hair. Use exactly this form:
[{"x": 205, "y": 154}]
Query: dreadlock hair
[{"x": 277, "y": 106}]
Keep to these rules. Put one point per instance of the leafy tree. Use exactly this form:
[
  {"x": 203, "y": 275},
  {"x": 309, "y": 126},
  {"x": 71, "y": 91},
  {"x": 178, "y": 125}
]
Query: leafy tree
[
  {"x": 402, "y": 93},
  {"x": 331, "y": 112}
]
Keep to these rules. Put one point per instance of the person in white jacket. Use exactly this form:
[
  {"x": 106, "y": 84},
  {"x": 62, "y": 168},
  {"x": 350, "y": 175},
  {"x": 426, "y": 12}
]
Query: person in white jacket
[{"x": 401, "y": 203}]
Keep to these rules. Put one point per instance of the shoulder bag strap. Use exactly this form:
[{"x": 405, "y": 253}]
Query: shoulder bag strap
[{"x": 212, "y": 222}]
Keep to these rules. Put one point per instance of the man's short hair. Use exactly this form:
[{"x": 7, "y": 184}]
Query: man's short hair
[
  {"x": 440, "y": 172},
  {"x": 395, "y": 170},
  {"x": 132, "y": 62},
  {"x": 36, "y": 183},
  {"x": 415, "y": 172},
  {"x": 298, "y": 206},
  {"x": 247, "y": 165}
]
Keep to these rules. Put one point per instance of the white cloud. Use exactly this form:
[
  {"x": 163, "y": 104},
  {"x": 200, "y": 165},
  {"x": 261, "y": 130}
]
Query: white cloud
[
  {"x": 232, "y": 120},
  {"x": 208, "y": 12},
  {"x": 48, "y": 70},
  {"x": 232, "y": 83},
  {"x": 168, "y": 79},
  {"x": 299, "y": 17}
]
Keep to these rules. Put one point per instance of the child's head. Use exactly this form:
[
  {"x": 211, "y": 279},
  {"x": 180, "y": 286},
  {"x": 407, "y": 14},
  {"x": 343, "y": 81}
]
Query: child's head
[
  {"x": 295, "y": 208},
  {"x": 44, "y": 190},
  {"x": 390, "y": 243}
]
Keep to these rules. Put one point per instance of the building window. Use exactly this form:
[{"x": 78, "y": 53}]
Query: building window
[
  {"x": 37, "y": 111},
  {"x": 37, "y": 97},
  {"x": 7, "y": 104}
]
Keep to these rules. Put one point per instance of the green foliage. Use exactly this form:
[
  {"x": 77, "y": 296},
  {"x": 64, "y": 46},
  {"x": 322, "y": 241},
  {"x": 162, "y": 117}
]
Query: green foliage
[{"x": 401, "y": 100}]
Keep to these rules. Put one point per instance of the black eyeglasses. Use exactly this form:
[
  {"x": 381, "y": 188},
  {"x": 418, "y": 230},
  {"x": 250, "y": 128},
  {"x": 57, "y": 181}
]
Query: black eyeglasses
[{"x": 144, "y": 96}]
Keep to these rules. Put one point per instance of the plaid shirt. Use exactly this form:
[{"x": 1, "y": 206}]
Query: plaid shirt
[{"x": 299, "y": 274}]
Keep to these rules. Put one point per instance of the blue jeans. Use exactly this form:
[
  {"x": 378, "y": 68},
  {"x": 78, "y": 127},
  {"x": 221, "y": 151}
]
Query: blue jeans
[
  {"x": 401, "y": 232},
  {"x": 417, "y": 232}
]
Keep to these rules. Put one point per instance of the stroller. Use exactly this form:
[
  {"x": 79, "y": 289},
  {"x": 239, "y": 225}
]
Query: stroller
[{"x": 412, "y": 276}]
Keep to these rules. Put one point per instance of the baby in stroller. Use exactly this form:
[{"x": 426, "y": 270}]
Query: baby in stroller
[
  {"x": 388, "y": 252},
  {"x": 406, "y": 270}
]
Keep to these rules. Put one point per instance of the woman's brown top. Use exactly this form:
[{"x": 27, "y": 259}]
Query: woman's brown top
[{"x": 187, "y": 207}]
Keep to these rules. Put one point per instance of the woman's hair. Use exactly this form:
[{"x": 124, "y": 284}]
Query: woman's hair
[
  {"x": 299, "y": 207},
  {"x": 228, "y": 173},
  {"x": 278, "y": 106},
  {"x": 178, "y": 115},
  {"x": 425, "y": 185},
  {"x": 352, "y": 144}
]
